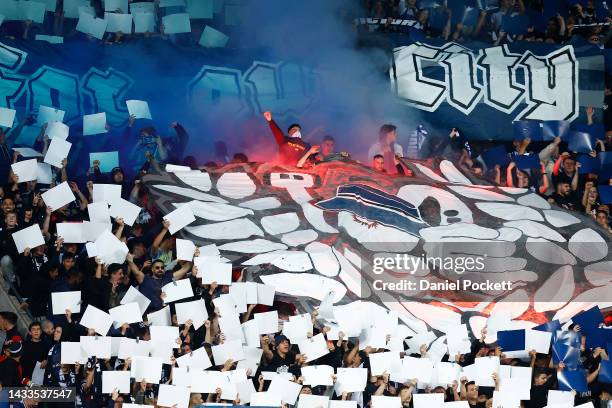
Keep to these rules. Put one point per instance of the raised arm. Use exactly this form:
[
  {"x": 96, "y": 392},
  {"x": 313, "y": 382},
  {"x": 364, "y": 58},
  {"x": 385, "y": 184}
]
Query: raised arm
[
  {"x": 544, "y": 187},
  {"x": 180, "y": 273},
  {"x": 509, "y": 182},
  {"x": 82, "y": 200},
  {"x": 576, "y": 177},
  {"x": 138, "y": 274},
  {"x": 276, "y": 131},
  {"x": 161, "y": 149},
  {"x": 183, "y": 138},
  {"x": 160, "y": 237},
  {"x": 302, "y": 161}
]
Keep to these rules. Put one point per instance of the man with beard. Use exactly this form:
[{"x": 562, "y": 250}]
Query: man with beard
[{"x": 150, "y": 284}]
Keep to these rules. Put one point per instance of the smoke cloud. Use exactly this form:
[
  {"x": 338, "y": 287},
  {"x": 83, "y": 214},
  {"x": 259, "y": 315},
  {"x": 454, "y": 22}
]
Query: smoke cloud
[{"x": 350, "y": 86}]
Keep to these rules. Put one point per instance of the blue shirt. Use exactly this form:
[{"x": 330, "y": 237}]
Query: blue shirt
[{"x": 151, "y": 288}]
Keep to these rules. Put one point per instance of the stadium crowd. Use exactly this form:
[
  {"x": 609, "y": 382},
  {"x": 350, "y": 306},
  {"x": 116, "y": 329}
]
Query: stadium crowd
[
  {"x": 361, "y": 372},
  {"x": 496, "y": 22},
  {"x": 576, "y": 359}
]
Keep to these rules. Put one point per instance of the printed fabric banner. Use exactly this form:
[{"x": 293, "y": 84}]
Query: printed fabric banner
[{"x": 483, "y": 90}]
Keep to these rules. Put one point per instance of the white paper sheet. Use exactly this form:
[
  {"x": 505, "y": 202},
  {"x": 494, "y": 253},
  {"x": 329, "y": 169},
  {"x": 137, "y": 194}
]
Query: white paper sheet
[
  {"x": 26, "y": 170},
  {"x": 345, "y": 316},
  {"x": 212, "y": 38},
  {"x": 176, "y": 23},
  {"x": 110, "y": 248},
  {"x": 560, "y": 397},
  {"x": 38, "y": 375},
  {"x": 179, "y": 218},
  {"x": 58, "y": 196},
  {"x": 96, "y": 346},
  {"x": 164, "y": 334},
  {"x": 171, "y": 3},
  {"x": 250, "y": 333},
  {"x": 71, "y": 353},
  {"x": 342, "y": 404},
  {"x": 106, "y": 192},
  {"x": 49, "y": 114},
  {"x": 318, "y": 375},
  {"x": 29, "y": 237},
  {"x": 98, "y": 212},
  {"x": 121, "y": 208},
  {"x": 57, "y": 152},
  {"x": 160, "y": 317},
  {"x": 119, "y": 380},
  {"x": 245, "y": 389},
  {"x": 96, "y": 319},
  {"x": 43, "y": 174},
  {"x": 229, "y": 350},
  {"x": 57, "y": 130},
  {"x": 146, "y": 368},
  {"x": 252, "y": 357},
  {"x": 265, "y": 399},
  {"x": 350, "y": 379},
  {"x": 251, "y": 293},
  {"x": 383, "y": 401},
  {"x": 314, "y": 347},
  {"x": 384, "y": 362},
  {"x": 297, "y": 330},
  {"x": 142, "y": 7},
  {"x": 133, "y": 295},
  {"x": 140, "y": 109},
  {"x": 265, "y": 294},
  {"x": 126, "y": 313},
  {"x": 197, "y": 359},
  {"x": 177, "y": 290},
  {"x": 434, "y": 400},
  {"x": 33, "y": 11},
  {"x": 115, "y": 342},
  {"x": 130, "y": 348},
  {"x": 194, "y": 311},
  {"x": 144, "y": 22},
  {"x": 485, "y": 367},
  {"x": 27, "y": 152},
  {"x": 71, "y": 232},
  {"x": 537, "y": 340},
  {"x": 207, "y": 381},
  {"x": 446, "y": 373},
  {"x": 267, "y": 322},
  {"x": 60, "y": 301},
  {"x": 7, "y": 117},
  {"x": 116, "y": 5},
  {"x": 216, "y": 272},
  {"x": 506, "y": 399},
  {"x": 200, "y": 9},
  {"x": 419, "y": 368},
  {"x": 93, "y": 230},
  {"x": 185, "y": 249},
  {"x": 288, "y": 390},
  {"x": 118, "y": 22},
  {"x": 94, "y": 124},
  {"x": 96, "y": 27}
]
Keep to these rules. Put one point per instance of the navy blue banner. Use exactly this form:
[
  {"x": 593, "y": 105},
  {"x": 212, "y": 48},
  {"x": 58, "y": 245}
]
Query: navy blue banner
[{"x": 219, "y": 94}]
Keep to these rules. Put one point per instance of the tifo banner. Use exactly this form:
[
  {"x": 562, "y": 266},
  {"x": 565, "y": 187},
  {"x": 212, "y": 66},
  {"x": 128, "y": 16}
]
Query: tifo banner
[
  {"x": 482, "y": 90},
  {"x": 342, "y": 227}
]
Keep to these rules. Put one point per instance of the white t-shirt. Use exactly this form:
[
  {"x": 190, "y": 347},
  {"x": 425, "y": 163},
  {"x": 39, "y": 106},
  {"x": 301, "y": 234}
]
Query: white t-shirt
[{"x": 376, "y": 148}]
